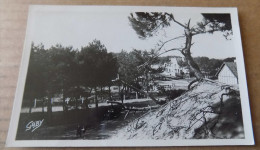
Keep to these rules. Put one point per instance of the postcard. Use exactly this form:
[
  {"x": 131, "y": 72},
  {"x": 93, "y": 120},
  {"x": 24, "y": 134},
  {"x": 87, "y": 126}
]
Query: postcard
[{"x": 130, "y": 76}]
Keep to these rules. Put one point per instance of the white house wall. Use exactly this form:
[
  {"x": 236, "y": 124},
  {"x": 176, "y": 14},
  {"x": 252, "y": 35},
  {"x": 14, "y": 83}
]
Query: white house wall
[
  {"x": 172, "y": 68},
  {"x": 226, "y": 76}
]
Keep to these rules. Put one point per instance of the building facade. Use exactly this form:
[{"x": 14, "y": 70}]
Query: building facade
[
  {"x": 173, "y": 68},
  {"x": 228, "y": 73}
]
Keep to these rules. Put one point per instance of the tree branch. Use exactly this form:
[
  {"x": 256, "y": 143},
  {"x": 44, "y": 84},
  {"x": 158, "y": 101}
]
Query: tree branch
[
  {"x": 173, "y": 49},
  {"x": 179, "y": 23},
  {"x": 171, "y": 16},
  {"x": 148, "y": 61},
  {"x": 188, "y": 25},
  {"x": 214, "y": 26},
  {"x": 169, "y": 41}
]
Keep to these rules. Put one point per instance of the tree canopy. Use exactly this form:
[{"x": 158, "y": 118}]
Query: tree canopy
[
  {"x": 97, "y": 66},
  {"x": 63, "y": 70},
  {"x": 35, "y": 80}
]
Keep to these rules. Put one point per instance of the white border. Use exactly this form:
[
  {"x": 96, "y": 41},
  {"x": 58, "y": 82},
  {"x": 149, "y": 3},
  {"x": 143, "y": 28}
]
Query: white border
[{"x": 249, "y": 139}]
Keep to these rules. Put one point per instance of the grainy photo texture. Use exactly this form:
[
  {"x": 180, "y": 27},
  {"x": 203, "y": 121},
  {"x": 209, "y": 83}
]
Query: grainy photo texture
[{"x": 129, "y": 74}]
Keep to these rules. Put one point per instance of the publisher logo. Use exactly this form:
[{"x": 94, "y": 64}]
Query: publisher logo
[{"x": 33, "y": 125}]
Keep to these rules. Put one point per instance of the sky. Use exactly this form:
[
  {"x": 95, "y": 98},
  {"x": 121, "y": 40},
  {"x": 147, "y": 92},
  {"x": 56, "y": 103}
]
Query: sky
[{"x": 78, "y": 27}]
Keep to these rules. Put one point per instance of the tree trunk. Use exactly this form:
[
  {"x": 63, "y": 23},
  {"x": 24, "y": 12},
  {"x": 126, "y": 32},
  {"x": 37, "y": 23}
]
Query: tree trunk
[
  {"x": 87, "y": 100},
  {"x": 194, "y": 67},
  {"x": 42, "y": 105},
  {"x": 109, "y": 92},
  {"x": 76, "y": 102},
  {"x": 119, "y": 88},
  {"x": 63, "y": 102},
  {"x": 30, "y": 108},
  {"x": 96, "y": 100},
  {"x": 49, "y": 109},
  {"x": 187, "y": 54},
  {"x": 86, "y": 103},
  {"x": 101, "y": 92}
]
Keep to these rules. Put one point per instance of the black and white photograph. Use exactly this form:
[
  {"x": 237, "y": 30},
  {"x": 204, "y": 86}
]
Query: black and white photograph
[{"x": 102, "y": 76}]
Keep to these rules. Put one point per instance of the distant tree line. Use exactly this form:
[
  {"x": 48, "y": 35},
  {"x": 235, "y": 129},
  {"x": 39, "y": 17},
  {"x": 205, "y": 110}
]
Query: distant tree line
[{"x": 208, "y": 66}]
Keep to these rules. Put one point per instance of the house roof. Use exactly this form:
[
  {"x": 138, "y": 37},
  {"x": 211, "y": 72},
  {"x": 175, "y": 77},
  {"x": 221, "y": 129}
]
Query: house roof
[{"x": 232, "y": 67}]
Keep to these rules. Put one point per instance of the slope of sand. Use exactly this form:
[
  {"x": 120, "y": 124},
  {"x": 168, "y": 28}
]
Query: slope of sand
[{"x": 198, "y": 113}]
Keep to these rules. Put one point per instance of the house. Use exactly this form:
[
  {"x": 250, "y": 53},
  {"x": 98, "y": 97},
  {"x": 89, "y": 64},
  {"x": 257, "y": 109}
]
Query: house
[
  {"x": 227, "y": 73},
  {"x": 172, "y": 68}
]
